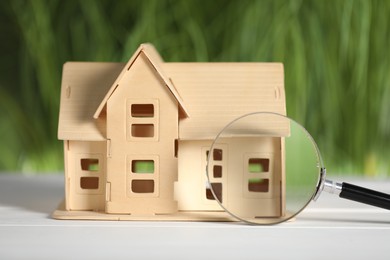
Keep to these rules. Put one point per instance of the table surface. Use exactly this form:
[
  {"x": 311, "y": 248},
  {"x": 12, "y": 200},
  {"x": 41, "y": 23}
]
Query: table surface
[{"x": 331, "y": 228}]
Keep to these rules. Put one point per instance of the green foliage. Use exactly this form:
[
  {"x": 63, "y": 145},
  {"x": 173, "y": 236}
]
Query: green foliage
[{"x": 334, "y": 52}]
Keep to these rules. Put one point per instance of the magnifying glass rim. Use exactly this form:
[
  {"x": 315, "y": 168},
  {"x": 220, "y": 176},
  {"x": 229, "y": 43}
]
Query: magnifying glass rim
[{"x": 320, "y": 180}]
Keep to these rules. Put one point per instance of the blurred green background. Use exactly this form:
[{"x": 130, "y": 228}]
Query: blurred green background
[{"x": 336, "y": 57}]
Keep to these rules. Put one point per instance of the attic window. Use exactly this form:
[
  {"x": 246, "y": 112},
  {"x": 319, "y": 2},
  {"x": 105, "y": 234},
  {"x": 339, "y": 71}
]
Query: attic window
[
  {"x": 142, "y": 120},
  {"x": 142, "y": 110}
]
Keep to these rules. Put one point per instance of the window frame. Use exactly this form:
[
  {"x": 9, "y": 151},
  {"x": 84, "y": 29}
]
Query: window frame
[
  {"x": 81, "y": 173},
  {"x": 221, "y": 179},
  {"x": 266, "y": 175},
  {"x": 133, "y": 121},
  {"x": 137, "y": 176}
]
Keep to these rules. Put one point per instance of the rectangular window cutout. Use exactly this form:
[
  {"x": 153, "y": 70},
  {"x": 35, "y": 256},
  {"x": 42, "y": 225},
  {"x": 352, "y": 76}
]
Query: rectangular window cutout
[
  {"x": 142, "y": 110},
  {"x": 142, "y": 186},
  {"x": 217, "y": 171},
  {"x": 142, "y": 166},
  {"x": 217, "y": 155},
  {"x": 258, "y": 185},
  {"x": 88, "y": 164},
  {"x": 217, "y": 188},
  {"x": 142, "y": 130},
  {"x": 258, "y": 165},
  {"x": 89, "y": 183}
]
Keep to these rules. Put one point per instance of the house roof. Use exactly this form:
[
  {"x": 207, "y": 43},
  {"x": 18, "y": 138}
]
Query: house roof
[
  {"x": 84, "y": 85},
  {"x": 155, "y": 59},
  {"x": 213, "y": 94},
  {"x": 217, "y": 93}
]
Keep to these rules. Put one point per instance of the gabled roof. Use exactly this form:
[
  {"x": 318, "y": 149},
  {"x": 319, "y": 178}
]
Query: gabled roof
[
  {"x": 155, "y": 59},
  {"x": 217, "y": 93},
  {"x": 84, "y": 84},
  {"x": 212, "y": 93}
]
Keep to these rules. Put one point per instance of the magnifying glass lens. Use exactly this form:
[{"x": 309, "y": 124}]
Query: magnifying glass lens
[{"x": 263, "y": 168}]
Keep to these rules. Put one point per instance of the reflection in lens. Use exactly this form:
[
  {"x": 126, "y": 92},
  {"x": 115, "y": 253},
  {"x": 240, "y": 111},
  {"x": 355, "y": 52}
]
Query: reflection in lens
[{"x": 270, "y": 167}]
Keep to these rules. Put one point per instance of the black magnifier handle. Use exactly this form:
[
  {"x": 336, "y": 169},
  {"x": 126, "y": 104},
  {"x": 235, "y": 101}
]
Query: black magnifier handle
[
  {"x": 364, "y": 195},
  {"x": 359, "y": 194}
]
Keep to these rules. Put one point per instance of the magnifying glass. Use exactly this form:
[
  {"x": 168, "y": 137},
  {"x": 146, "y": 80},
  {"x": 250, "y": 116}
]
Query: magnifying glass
[{"x": 265, "y": 168}]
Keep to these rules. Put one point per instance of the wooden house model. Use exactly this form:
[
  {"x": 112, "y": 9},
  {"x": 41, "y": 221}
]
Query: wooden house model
[{"x": 136, "y": 138}]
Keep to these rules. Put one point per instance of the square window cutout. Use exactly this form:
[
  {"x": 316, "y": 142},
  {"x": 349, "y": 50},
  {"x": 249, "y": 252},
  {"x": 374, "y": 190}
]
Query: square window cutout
[
  {"x": 258, "y": 185},
  {"x": 89, "y": 183},
  {"x": 88, "y": 164},
  {"x": 217, "y": 188},
  {"x": 258, "y": 165},
  {"x": 142, "y": 166},
  {"x": 217, "y": 171},
  {"x": 217, "y": 155},
  {"x": 142, "y": 130},
  {"x": 142, "y": 186}
]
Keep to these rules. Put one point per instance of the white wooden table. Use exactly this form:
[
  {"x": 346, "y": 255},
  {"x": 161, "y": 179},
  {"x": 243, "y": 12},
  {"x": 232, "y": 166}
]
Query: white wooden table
[{"x": 330, "y": 228}]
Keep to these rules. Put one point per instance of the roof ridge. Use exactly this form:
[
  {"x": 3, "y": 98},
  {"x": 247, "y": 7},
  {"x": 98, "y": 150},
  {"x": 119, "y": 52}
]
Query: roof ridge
[{"x": 154, "y": 58}]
